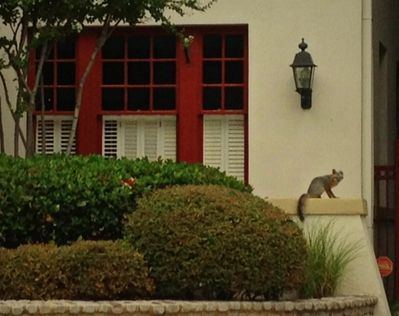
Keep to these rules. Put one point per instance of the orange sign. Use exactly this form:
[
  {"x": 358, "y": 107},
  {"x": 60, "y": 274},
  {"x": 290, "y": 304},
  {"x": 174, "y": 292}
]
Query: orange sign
[{"x": 385, "y": 265}]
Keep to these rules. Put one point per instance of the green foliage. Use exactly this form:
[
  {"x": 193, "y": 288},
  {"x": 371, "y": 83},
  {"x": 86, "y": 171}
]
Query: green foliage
[
  {"x": 159, "y": 174},
  {"x": 85, "y": 270},
  {"x": 213, "y": 242},
  {"x": 63, "y": 198},
  {"x": 329, "y": 256}
]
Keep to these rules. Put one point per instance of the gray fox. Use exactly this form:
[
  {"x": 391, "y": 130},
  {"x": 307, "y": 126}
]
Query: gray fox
[{"x": 317, "y": 187}]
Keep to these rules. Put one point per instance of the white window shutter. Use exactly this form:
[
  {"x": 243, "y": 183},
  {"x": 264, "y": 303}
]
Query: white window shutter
[
  {"x": 224, "y": 145},
  {"x": 136, "y": 137},
  {"x": 151, "y": 139},
  {"x": 65, "y": 126},
  {"x": 56, "y": 134},
  {"x": 130, "y": 139},
  {"x": 110, "y": 138},
  {"x": 235, "y": 147},
  {"x": 213, "y": 139},
  {"x": 167, "y": 143},
  {"x": 45, "y": 136}
]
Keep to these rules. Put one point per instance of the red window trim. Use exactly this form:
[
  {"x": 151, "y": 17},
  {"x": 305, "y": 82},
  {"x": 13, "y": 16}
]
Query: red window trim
[{"x": 189, "y": 112}]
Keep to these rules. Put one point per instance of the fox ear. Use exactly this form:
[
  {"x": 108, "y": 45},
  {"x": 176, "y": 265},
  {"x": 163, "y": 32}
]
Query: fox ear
[{"x": 334, "y": 171}]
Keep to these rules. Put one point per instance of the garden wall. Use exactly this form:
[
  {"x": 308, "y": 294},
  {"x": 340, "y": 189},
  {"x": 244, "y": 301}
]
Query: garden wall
[
  {"x": 350, "y": 221},
  {"x": 337, "y": 306}
]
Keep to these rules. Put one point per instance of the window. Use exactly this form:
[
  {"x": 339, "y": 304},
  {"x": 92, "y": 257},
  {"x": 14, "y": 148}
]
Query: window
[
  {"x": 223, "y": 72},
  {"x": 55, "y": 99},
  {"x": 56, "y": 91},
  {"x": 224, "y": 102},
  {"x": 143, "y": 98},
  {"x": 139, "y": 73}
]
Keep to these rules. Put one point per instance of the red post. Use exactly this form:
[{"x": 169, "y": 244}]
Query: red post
[
  {"x": 89, "y": 126},
  {"x": 189, "y": 103}
]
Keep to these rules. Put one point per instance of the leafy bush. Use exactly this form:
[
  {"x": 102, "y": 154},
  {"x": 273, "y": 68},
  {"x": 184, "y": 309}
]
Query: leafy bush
[
  {"x": 63, "y": 198},
  {"x": 84, "y": 270},
  {"x": 212, "y": 242},
  {"x": 153, "y": 175},
  {"x": 329, "y": 255}
]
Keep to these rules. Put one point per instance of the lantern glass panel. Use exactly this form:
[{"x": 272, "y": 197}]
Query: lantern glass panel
[{"x": 303, "y": 77}]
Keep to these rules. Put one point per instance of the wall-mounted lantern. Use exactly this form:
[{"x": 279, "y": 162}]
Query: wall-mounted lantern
[{"x": 303, "y": 68}]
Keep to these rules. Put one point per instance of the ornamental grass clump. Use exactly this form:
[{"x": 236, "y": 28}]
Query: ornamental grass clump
[
  {"x": 330, "y": 253},
  {"x": 211, "y": 242}
]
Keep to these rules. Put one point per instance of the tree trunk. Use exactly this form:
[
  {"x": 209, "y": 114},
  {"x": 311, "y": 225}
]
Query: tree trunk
[
  {"x": 2, "y": 146},
  {"x": 30, "y": 131}
]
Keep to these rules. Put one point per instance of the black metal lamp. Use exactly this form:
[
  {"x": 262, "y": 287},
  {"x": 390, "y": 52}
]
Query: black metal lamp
[{"x": 303, "y": 68}]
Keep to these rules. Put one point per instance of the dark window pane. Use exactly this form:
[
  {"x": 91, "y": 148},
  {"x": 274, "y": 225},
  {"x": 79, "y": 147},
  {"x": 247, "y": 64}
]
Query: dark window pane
[
  {"x": 212, "y": 72},
  {"x": 114, "y": 48},
  {"x": 234, "y": 46},
  {"x": 47, "y": 98},
  {"x": 50, "y": 52},
  {"x": 234, "y": 98},
  {"x": 65, "y": 99},
  {"x": 138, "y": 47},
  {"x": 112, "y": 99},
  {"x": 138, "y": 99},
  {"x": 138, "y": 73},
  {"x": 212, "y": 98},
  {"x": 164, "y": 99},
  {"x": 66, "y": 73},
  {"x": 164, "y": 47},
  {"x": 234, "y": 72},
  {"x": 113, "y": 73},
  {"x": 48, "y": 73},
  {"x": 164, "y": 73},
  {"x": 66, "y": 49},
  {"x": 212, "y": 46}
]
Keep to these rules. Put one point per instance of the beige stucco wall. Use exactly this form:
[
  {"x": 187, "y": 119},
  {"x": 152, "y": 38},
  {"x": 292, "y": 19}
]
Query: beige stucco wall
[
  {"x": 289, "y": 146},
  {"x": 8, "y": 122}
]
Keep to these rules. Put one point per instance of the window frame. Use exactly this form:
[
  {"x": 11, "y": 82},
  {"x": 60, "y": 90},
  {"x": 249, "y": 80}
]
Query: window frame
[
  {"x": 188, "y": 111},
  {"x": 151, "y": 32}
]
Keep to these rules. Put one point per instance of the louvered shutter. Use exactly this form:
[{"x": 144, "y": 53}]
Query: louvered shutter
[
  {"x": 65, "y": 126},
  {"x": 167, "y": 145},
  {"x": 213, "y": 139},
  {"x": 130, "y": 139},
  {"x": 224, "y": 146},
  {"x": 56, "y": 134},
  {"x": 45, "y": 136},
  {"x": 235, "y": 147},
  {"x": 151, "y": 140},
  {"x": 135, "y": 137},
  {"x": 110, "y": 138}
]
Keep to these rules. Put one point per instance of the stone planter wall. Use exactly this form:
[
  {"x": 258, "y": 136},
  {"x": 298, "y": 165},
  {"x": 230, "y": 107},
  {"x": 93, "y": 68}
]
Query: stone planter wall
[{"x": 337, "y": 306}]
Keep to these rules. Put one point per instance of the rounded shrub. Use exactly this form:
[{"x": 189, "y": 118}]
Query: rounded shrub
[
  {"x": 212, "y": 242},
  {"x": 91, "y": 270}
]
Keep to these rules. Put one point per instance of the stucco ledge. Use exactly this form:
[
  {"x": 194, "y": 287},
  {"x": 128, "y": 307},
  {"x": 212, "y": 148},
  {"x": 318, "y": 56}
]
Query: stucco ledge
[{"x": 323, "y": 206}]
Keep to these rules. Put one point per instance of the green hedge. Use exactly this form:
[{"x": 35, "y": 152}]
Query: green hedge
[
  {"x": 63, "y": 198},
  {"x": 85, "y": 270},
  {"x": 212, "y": 242}
]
